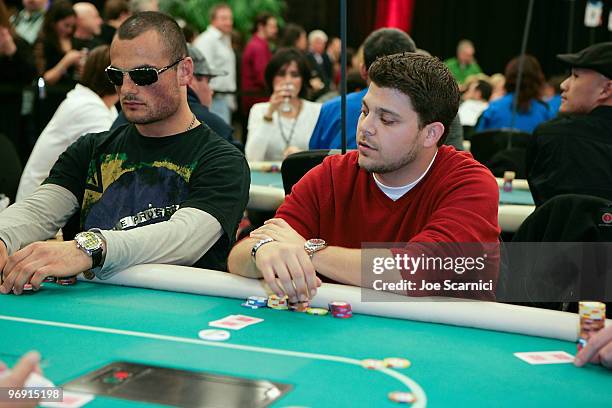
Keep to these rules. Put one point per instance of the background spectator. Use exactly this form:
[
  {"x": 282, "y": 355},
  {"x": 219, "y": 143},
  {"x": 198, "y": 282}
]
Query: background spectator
[
  {"x": 255, "y": 58},
  {"x": 88, "y": 108},
  {"x": 216, "y": 45},
  {"x": 284, "y": 124},
  {"x": 115, "y": 13},
  {"x": 29, "y": 21},
  {"x": 531, "y": 109},
  {"x": 464, "y": 64}
]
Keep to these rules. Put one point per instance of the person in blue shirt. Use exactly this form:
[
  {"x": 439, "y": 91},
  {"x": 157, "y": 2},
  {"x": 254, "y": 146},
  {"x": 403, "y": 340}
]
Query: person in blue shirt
[
  {"x": 328, "y": 130},
  {"x": 531, "y": 108}
]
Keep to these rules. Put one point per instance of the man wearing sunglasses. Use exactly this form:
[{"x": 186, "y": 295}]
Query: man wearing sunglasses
[
  {"x": 199, "y": 98},
  {"x": 164, "y": 189}
]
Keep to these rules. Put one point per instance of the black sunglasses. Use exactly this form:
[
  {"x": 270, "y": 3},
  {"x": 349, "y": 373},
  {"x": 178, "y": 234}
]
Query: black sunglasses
[{"x": 140, "y": 76}]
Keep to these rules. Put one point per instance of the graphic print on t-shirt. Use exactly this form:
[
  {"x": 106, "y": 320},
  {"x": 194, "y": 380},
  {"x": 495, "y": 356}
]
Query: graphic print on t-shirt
[{"x": 122, "y": 195}]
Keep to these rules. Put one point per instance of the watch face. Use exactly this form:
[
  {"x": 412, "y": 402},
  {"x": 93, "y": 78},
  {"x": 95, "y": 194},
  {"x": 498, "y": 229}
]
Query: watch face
[
  {"x": 316, "y": 242},
  {"x": 88, "y": 241}
]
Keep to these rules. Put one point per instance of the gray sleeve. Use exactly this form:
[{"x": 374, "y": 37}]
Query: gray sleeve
[
  {"x": 38, "y": 217},
  {"x": 181, "y": 240},
  {"x": 455, "y": 134}
]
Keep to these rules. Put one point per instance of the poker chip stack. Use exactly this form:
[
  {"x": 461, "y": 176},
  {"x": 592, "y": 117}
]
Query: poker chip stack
[
  {"x": 300, "y": 306},
  {"x": 341, "y": 310},
  {"x": 277, "y": 302},
  {"x": 255, "y": 302},
  {"x": 592, "y": 319}
]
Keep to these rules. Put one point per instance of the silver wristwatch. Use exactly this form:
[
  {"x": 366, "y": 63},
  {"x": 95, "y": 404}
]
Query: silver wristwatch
[{"x": 90, "y": 243}]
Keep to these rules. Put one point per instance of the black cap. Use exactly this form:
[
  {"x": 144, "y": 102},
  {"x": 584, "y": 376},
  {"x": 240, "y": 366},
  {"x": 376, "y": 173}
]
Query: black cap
[{"x": 597, "y": 57}]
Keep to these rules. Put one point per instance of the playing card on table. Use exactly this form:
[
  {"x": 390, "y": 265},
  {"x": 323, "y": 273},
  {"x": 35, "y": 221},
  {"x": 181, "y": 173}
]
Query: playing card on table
[
  {"x": 235, "y": 322},
  {"x": 546, "y": 357}
]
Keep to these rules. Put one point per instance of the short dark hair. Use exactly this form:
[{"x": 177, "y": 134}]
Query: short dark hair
[
  {"x": 485, "y": 89},
  {"x": 169, "y": 31},
  {"x": 213, "y": 10},
  {"x": 285, "y": 56},
  {"x": 261, "y": 19},
  {"x": 428, "y": 83},
  {"x": 291, "y": 33},
  {"x": 93, "y": 72},
  {"x": 386, "y": 41},
  {"x": 114, "y": 8}
]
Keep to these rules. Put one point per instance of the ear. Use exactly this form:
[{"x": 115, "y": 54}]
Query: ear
[
  {"x": 185, "y": 71},
  {"x": 433, "y": 132},
  {"x": 363, "y": 71},
  {"x": 606, "y": 92}
]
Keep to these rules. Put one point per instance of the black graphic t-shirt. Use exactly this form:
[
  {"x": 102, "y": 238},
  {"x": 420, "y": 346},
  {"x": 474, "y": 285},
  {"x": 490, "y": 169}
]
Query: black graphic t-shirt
[{"x": 124, "y": 180}]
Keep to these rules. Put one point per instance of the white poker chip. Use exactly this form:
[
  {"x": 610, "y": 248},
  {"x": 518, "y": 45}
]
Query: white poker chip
[
  {"x": 372, "y": 364},
  {"x": 402, "y": 397},
  {"x": 395, "y": 362},
  {"x": 214, "y": 334}
]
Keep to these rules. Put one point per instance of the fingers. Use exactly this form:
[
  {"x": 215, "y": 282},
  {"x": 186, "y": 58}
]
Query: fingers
[
  {"x": 596, "y": 343},
  {"x": 299, "y": 279},
  {"x": 310, "y": 275},
  {"x": 287, "y": 283},
  {"x": 270, "y": 277},
  {"x": 277, "y": 221},
  {"x": 26, "y": 365},
  {"x": 605, "y": 356}
]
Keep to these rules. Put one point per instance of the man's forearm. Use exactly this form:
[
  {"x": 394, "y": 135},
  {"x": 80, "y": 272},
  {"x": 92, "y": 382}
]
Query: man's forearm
[
  {"x": 181, "y": 240},
  {"x": 340, "y": 264},
  {"x": 240, "y": 261},
  {"x": 38, "y": 217}
]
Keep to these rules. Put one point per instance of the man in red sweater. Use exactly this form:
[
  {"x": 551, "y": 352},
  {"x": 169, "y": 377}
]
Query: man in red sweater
[
  {"x": 402, "y": 185},
  {"x": 255, "y": 58}
]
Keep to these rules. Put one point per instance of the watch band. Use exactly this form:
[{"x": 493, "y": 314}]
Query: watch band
[{"x": 258, "y": 245}]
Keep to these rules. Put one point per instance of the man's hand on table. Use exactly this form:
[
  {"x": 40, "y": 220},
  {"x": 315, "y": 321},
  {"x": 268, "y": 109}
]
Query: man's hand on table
[
  {"x": 598, "y": 349},
  {"x": 285, "y": 259},
  {"x": 33, "y": 263}
]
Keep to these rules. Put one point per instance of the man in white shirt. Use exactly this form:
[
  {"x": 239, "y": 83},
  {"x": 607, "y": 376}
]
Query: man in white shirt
[
  {"x": 475, "y": 101},
  {"x": 216, "y": 45}
]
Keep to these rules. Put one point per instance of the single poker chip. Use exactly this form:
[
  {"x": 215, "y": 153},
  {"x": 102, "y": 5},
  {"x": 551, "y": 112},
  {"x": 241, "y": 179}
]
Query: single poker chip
[
  {"x": 342, "y": 315},
  {"x": 372, "y": 364},
  {"x": 317, "y": 311},
  {"x": 49, "y": 279},
  {"x": 402, "y": 397},
  {"x": 260, "y": 301},
  {"x": 67, "y": 281},
  {"x": 396, "y": 362},
  {"x": 28, "y": 287},
  {"x": 249, "y": 305},
  {"x": 214, "y": 334}
]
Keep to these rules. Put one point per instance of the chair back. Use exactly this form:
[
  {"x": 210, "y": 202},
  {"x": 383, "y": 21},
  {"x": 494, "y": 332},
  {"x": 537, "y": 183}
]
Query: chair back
[{"x": 297, "y": 164}]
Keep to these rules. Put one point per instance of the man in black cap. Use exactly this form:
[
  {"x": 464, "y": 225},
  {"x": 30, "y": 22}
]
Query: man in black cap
[
  {"x": 571, "y": 154},
  {"x": 199, "y": 98}
]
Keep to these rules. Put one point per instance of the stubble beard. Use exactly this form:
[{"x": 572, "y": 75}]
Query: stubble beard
[{"x": 382, "y": 168}]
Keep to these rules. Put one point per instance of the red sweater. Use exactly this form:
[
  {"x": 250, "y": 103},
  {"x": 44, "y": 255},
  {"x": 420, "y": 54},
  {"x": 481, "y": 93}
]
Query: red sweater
[
  {"x": 255, "y": 58},
  {"x": 337, "y": 201}
]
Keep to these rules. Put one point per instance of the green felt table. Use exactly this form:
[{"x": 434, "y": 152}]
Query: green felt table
[
  {"x": 267, "y": 179},
  {"x": 516, "y": 196},
  {"x": 86, "y": 326}
]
